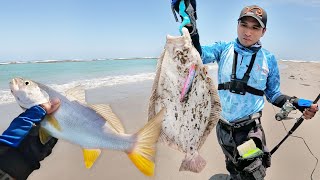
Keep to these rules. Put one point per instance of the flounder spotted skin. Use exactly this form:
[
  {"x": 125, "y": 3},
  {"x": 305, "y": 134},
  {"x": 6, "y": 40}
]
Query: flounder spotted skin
[{"x": 186, "y": 124}]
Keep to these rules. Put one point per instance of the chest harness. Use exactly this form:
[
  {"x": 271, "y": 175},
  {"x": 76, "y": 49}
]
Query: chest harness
[{"x": 240, "y": 86}]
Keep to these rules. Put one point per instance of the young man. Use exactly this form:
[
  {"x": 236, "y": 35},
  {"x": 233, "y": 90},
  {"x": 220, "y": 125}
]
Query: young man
[
  {"x": 246, "y": 73},
  {"x": 20, "y": 146}
]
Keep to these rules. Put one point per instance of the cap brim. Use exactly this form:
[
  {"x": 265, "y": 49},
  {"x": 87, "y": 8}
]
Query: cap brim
[{"x": 251, "y": 15}]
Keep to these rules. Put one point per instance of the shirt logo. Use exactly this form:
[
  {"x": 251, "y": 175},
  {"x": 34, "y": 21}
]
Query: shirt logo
[{"x": 264, "y": 70}]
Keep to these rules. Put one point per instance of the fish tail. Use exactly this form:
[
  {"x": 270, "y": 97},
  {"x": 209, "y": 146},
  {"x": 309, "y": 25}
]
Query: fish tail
[
  {"x": 142, "y": 154},
  {"x": 194, "y": 163}
]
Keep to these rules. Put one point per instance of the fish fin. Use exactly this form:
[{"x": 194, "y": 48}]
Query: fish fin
[
  {"x": 154, "y": 94},
  {"x": 143, "y": 153},
  {"x": 53, "y": 121},
  {"x": 106, "y": 112},
  {"x": 215, "y": 103},
  {"x": 164, "y": 139},
  {"x": 215, "y": 110},
  {"x": 44, "y": 136},
  {"x": 153, "y": 97},
  {"x": 90, "y": 156},
  {"x": 76, "y": 93},
  {"x": 194, "y": 163}
]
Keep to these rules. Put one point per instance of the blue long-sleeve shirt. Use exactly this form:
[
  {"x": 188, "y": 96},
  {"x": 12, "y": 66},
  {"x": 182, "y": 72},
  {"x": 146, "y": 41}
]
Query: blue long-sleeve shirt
[
  {"x": 21, "y": 126},
  {"x": 263, "y": 76}
]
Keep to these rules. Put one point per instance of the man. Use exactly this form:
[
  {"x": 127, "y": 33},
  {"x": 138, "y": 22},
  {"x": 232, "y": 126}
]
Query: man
[
  {"x": 20, "y": 146},
  {"x": 246, "y": 73}
]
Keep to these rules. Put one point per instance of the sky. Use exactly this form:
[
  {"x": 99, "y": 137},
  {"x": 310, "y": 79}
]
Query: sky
[{"x": 97, "y": 29}]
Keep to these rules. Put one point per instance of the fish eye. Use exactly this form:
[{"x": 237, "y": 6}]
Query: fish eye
[{"x": 26, "y": 83}]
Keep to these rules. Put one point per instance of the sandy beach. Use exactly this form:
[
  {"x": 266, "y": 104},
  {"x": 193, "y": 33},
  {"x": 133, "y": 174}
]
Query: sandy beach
[{"x": 292, "y": 161}]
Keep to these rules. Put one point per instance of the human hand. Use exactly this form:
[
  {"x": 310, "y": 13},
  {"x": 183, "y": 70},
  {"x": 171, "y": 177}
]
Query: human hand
[
  {"x": 51, "y": 106},
  {"x": 187, "y": 11},
  {"x": 309, "y": 113}
]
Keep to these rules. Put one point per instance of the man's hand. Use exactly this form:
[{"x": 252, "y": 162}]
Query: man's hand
[
  {"x": 310, "y": 112},
  {"x": 51, "y": 106}
]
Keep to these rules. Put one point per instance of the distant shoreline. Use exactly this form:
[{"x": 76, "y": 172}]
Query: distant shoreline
[
  {"x": 73, "y": 60},
  {"x": 108, "y": 59}
]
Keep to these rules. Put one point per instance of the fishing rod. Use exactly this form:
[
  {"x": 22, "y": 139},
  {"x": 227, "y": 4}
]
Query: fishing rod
[{"x": 295, "y": 126}]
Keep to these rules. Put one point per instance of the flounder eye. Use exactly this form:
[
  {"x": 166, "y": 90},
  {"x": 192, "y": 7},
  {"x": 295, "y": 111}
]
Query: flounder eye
[{"x": 26, "y": 83}]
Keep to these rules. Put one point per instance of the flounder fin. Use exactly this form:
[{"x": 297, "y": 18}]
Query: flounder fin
[
  {"x": 90, "y": 156},
  {"x": 106, "y": 112},
  {"x": 142, "y": 154},
  {"x": 163, "y": 138},
  {"x": 194, "y": 163},
  {"x": 215, "y": 110},
  {"x": 77, "y": 93},
  {"x": 53, "y": 121},
  {"x": 154, "y": 94},
  {"x": 44, "y": 135}
]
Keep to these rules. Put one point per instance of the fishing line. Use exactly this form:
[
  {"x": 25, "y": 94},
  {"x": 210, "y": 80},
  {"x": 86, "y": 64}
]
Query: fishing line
[{"x": 303, "y": 141}]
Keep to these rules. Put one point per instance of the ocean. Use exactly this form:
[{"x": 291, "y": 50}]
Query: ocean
[{"x": 63, "y": 75}]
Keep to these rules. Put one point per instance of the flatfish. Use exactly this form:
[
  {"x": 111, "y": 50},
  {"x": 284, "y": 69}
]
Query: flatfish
[{"x": 191, "y": 100}]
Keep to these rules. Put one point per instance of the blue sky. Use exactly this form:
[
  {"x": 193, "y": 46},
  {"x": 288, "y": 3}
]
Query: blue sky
[{"x": 83, "y": 29}]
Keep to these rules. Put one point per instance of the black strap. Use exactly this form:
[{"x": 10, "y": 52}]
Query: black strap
[
  {"x": 234, "y": 67},
  {"x": 5, "y": 176},
  {"x": 246, "y": 75},
  {"x": 249, "y": 89}
]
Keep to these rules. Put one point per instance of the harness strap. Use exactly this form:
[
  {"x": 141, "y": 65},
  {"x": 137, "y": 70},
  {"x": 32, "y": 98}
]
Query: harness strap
[
  {"x": 5, "y": 176},
  {"x": 249, "y": 89},
  {"x": 234, "y": 66}
]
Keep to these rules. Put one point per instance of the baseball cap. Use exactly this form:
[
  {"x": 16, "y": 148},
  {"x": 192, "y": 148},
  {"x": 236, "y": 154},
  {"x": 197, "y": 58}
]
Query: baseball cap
[{"x": 256, "y": 12}]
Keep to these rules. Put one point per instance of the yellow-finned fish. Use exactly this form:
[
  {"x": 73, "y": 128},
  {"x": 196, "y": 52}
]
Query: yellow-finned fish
[{"x": 93, "y": 127}]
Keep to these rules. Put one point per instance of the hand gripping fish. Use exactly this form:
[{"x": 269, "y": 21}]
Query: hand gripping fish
[
  {"x": 192, "y": 104},
  {"x": 93, "y": 127}
]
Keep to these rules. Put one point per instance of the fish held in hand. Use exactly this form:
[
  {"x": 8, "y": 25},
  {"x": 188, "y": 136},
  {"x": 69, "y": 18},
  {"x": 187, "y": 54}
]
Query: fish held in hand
[
  {"x": 182, "y": 86},
  {"x": 93, "y": 127}
]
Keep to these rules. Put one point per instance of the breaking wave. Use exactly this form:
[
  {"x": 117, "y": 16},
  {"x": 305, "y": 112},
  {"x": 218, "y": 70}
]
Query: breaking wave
[{"x": 6, "y": 97}]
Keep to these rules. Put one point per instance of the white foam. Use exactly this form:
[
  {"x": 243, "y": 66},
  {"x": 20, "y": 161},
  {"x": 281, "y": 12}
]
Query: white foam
[
  {"x": 71, "y": 60},
  {"x": 5, "y": 63},
  {"x": 13, "y": 62},
  {"x": 300, "y": 61},
  {"x": 6, "y": 97}
]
